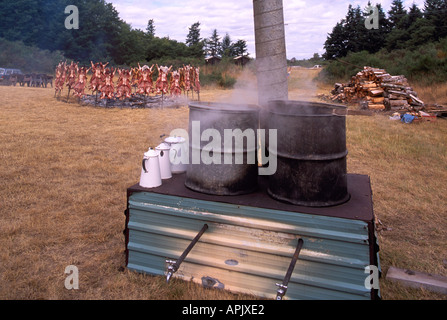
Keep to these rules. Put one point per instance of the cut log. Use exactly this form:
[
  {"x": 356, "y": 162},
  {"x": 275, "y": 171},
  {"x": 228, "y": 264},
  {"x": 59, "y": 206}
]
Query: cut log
[
  {"x": 376, "y": 92},
  {"x": 349, "y": 89},
  {"x": 376, "y": 107},
  {"x": 369, "y": 86},
  {"x": 395, "y": 97},
  {"x": 378, "y": 100},
  {"x": 375, "y": 70},
  {"x": 400, "y": 93},
  {"x": 395, "y": 86}
]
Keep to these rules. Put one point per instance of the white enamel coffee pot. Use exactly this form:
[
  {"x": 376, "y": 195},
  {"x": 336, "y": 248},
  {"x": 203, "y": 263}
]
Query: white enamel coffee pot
[
  {"x": 178, "y": 154},
  {"x": 165, "y": 163},
  {"x": 150, "y": 171}
]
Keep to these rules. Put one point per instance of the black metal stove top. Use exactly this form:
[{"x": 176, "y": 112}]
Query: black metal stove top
[{"x": 359, "y": 207}]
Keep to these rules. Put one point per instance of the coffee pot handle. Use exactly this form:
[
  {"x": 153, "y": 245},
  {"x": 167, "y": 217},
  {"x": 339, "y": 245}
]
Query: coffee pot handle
[
  {"x": 144, "y": 165},
  {"x": 178, "y": 153}
]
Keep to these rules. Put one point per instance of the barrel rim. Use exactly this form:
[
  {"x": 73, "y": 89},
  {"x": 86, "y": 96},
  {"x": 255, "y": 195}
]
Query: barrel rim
[
  {"x": 225, "y": 107},
  {"x": 336, "y": 110}
]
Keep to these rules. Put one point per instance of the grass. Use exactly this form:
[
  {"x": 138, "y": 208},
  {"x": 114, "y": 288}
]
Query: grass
[
  {"x": 434, "y": 94},
  {"x": 408, "y": 168},
  {"x": 65, "y": 170}
]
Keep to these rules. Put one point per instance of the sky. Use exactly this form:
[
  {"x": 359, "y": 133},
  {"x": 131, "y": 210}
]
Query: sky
[{"x": 307, "y": 22}]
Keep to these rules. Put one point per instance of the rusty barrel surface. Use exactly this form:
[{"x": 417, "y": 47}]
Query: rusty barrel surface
[
  {"x": 311, "y": 153},
  {"x": 222, "y": 148}
]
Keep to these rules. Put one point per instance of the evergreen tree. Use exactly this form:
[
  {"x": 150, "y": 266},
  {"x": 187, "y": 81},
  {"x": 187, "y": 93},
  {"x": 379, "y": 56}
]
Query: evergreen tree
[
  {"x": 399, "y": 21},
  {"x": 421, "y": 32},
  {"x": 414, "y": 14},
  {"x": 354, "y": 29},
  {"x": 335, "y": 43},
  {"x": 372, "y": 40},
  {"x": 150, "y": 29},
  {"x": 194, "y": 42},
  {"x": 213, "y": 44},
  {"x": 193, "y": 37},
  {"x": 384, "y": 23},
  {"x": 435, "y": 12},
  {"x": 396, "y": 13},
  {"x": 226, "y": 48},
  {"x": 240, "y": 48}
]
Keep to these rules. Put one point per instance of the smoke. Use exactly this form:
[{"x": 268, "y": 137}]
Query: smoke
[
  {"x": 243, "y": 95},
  {"x": 302, "y": 84},
  {"x": 245, "y": 90}
]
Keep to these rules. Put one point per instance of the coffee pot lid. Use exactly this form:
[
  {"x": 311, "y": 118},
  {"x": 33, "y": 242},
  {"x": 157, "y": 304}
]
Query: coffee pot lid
[
  {"x": 175, "y": 139},
  {"x": 151, "y": 153},
  {"x": 164, "y": 146}
]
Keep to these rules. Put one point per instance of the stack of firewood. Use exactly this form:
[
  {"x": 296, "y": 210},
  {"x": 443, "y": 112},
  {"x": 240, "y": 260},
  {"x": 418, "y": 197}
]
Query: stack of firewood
[{"x": 375, "y": 89}]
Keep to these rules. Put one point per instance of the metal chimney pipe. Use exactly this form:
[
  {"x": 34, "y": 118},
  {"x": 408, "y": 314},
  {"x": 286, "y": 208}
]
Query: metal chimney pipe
[{"x": 271, "y": 58}]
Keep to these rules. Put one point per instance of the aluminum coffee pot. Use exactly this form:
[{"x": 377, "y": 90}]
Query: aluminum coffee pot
[
  {"x": 178, "y": 154},
  {"x": 165, "y": 163},
  {"x": 150, "y": 171}
]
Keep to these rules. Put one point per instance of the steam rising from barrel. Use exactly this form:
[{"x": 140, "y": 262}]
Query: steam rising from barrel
[{"x": 271, "y": 58}]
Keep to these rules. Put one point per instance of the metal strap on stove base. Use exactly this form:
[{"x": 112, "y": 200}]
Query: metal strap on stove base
[
  {"x": 174, "y": 265},
  {"x": 282, "y": 287}
]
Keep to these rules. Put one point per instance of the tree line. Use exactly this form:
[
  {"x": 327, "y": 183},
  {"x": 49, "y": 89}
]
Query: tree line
[
  {"x": 102, "y": 35},
  {"x": 399, "y": 28}
]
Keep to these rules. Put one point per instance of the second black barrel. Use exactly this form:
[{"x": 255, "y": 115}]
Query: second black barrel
[{"x": 310, "y": 153}]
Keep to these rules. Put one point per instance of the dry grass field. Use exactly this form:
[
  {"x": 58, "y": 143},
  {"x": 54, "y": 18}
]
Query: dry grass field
[{"x": 65, "y": 169}]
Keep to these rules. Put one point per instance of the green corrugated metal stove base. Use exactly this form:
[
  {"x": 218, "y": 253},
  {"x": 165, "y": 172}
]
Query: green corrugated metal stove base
[{"x": 248, "y": 249}]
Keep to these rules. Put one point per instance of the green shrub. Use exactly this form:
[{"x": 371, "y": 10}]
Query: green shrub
[
  {"x": 226, "y": 81},
  {"x": 223, "y": 74},
  {"x": 207, "y": 79}
]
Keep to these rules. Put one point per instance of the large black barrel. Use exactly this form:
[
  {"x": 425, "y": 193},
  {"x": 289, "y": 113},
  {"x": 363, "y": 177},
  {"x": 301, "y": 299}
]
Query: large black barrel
[
  {"x": 311, "y": 153},
  {"x": 235, "y": 170}
]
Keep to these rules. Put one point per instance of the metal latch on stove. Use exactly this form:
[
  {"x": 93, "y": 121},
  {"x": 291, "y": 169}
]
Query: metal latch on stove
[
  {"x": 174, "y": 265},
  {"x": 282, "y": 287}
]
